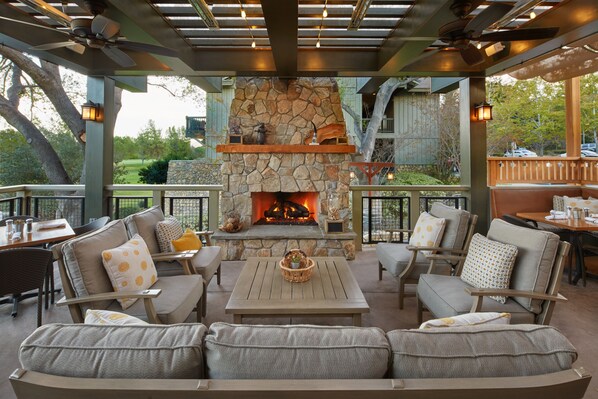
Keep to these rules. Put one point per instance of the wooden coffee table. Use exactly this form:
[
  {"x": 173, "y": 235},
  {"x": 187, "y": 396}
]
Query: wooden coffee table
[{"x": 262, "y": 292}]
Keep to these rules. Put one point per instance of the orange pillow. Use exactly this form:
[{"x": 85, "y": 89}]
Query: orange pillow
[{"x": 188, "y": 241}]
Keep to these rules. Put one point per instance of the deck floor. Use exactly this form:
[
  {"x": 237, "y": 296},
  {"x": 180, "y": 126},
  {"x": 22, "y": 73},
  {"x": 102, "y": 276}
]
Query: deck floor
[{"x": 577, "y": 319}]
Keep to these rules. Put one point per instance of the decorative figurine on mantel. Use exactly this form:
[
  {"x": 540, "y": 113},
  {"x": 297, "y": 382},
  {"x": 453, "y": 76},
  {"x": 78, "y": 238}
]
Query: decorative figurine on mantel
[{"x": 261, "y": 133}]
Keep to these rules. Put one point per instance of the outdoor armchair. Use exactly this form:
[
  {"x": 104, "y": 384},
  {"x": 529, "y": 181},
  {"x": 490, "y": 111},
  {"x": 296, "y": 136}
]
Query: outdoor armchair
[
  {"x": 534, "y": 282},
  {"x": 170, "y": 300},
  {"x": 407, "y": 262}
]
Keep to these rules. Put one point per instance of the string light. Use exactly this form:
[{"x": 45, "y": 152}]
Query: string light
[
  {"x": 324, "y": 12},
  {"x": 243, "y": 13},
  {"x": 253, "y": 44},
  {"x": 318, "y": 44},
  {"x": 479, "y": 45},
  {"x": 532, "y": 15},
  {"x": 324, "y": 15},
  {"x": 244, "y": 16}
]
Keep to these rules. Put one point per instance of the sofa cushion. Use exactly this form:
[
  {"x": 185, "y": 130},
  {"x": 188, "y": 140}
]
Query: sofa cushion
[
  {"x": 489, "y": 264},
  {"x": 102, "y": 351},
  {"x": 144, "y": 223},
  {"x": 395, "y": 257},
  {"x": 457, "y": 222},
  {"x": 180, "y": 295},
  {"x": 83, "y": 260},
  {"x": 445, "y": 296},
  {"x": 535, "y": 259},
  {"x": 295, "y": 352},
  {"x": 480, "y": 351},
  {"x": 207, "y": 261}
]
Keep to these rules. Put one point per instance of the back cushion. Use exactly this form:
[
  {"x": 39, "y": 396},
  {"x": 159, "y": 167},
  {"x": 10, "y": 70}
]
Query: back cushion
[
  {"x": 144, "y": 223},
  {"x": 295, "y": 352},
  {"x": 102, "y": 351},
  {"x": 83, "y": 260},
  {"x": 535, "y": 259},
  {"x": 457, "y": 221},
  {"x": 480, "y": 351}
]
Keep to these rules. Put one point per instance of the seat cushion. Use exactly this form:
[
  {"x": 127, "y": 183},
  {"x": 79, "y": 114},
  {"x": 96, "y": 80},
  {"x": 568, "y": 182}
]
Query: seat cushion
[
  {"x": 144, "y": 223},
  {"x": 535, "y": 259},
  {"x": 395, "y": 257},
  {"x": 180, "y": 295},
  {"x": 457, "y": 223},
  {"x": 103, "y": 351},
  {"x": 207, "y": 261},
  {"x": 445, "y": 296},
  {"x": 295, "y": 352},
  {"x": 480, "y": 351},
  {"x": 83, "y": 260}
]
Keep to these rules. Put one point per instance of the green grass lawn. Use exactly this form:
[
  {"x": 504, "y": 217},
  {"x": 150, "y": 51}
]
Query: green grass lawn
[{"x": 133, "y": 166}]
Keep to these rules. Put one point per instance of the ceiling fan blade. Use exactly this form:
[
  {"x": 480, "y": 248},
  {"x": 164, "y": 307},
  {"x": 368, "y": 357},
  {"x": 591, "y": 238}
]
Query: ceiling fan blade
[
  {"x": 104, "y": 27},
  {"x": 519, "y": 34},
  {"x": 471, "y": 55},
  {"x": 118, "y": 56},
  {"x": 487, "y": 17},
  {"x": 71, "y": 45},
  {"x": 148, "y": 48}
]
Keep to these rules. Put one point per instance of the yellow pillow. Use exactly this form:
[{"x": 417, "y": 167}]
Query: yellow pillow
[
  {"x": 188, "y": 241},
  {"x": 130, "y": 268}
]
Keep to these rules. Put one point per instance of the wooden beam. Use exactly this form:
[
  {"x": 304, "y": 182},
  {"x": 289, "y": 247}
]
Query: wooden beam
[
  {"x": 573, "y": 117},
  {"x": 282, "y": 24}
]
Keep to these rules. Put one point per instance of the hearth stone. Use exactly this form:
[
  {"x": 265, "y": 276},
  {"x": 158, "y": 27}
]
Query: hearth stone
[{"x": 271, "y": 241}]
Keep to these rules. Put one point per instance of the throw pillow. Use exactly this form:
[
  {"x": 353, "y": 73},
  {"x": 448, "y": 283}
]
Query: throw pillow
[
  {"x": 427, "y": 232},
  {"x": 188, "y": 241},
  {"x": 592, "y": 204},
  {"x": 167, "y": 230},
  {"x": 468, "y": 319},
  {"x": 489, "y": 264},
  {"x": 107, "y": 317},
  {"x": 130, "y": 268}
]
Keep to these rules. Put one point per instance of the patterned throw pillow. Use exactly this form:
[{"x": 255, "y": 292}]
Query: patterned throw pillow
[
  {"x": 489, "y": 264},
  {"x": 107, "y": 317},
  {"x": 427, "y": 232},
  {"x": 130, "y": 268},
  {"x": 167, "y": 230},
  {"x": 468, "y": 319},
  {"x": 581, "y": 203},
  {"x": 188, "y": 241}
]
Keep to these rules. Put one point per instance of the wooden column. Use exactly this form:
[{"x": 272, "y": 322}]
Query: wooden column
[
  {"x": 473, "y": 150},
  {"x": 99, "y": 149},
  {"x": 573, "y": 117}
]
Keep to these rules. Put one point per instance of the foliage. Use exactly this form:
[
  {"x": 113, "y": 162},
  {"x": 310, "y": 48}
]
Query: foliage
[
  {"x": 589, "y": 107},
  {"x": 404, "y": 178},
  {"x": 18, "y": 163},
  {"x": 177, "y": 145},
  {"x": 149, "y": 142},
  {"x": 69, "y": 151},
  {"x": 154, "y": 173},
  {"x": 119, "y": 173},
  {"x": 124, "y": 148},
  {"x": 448, "y": 155}
]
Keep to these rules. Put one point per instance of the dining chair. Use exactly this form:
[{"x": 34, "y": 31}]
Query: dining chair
[
  {"x": 91, "y": 226},
  {"x": 21, "y": 270}
]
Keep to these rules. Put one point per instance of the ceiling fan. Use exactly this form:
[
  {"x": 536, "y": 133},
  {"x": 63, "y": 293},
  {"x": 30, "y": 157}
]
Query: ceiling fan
[
  {"x": 462, "y": 32},
  {"x": 98, "y": 33}
]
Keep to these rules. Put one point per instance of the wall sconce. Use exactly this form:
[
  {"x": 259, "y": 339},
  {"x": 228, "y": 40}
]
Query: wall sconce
[
  {"x": 483, "y": 112},
  {"x": 390, "y": 176},
  {"x": 91, "y": 111},
  {"x": 352, "y": 175}
]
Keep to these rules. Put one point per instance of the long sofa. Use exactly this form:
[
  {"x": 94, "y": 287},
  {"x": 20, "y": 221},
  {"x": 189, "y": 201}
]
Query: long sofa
[{"x": 226, "y": 361}]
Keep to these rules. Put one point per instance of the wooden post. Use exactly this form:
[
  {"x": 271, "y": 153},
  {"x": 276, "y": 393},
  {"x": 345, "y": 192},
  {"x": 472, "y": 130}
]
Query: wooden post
[
  {"x": 472, "y": 91},
  {"x": 213, "y": 209},
  {"x": 573, "y": 117},
  {"x": 357, "y": 212}
]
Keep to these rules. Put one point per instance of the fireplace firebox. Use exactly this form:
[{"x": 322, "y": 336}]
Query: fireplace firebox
[{"x": 298, "y": 209}]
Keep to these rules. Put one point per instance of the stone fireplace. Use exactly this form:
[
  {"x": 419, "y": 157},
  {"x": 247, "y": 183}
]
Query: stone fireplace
[{"x": 281, "y": 189}]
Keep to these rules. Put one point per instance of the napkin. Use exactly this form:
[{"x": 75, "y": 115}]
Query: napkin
[
  {"x": 556, "y": 217},
  {"x": 591, "y": 219},
  {"x": 51, "y": 225}
]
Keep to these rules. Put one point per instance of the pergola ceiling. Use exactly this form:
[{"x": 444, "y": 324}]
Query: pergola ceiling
[{"x": 393, "y": 39}]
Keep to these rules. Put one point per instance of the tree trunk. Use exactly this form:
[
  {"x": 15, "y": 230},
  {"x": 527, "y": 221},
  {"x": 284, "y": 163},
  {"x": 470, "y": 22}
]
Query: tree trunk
[{"x": 383, "y": 96}]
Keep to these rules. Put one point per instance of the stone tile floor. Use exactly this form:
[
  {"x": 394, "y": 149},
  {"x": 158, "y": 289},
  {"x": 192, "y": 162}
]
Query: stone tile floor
[{"x": 577, "y": 319}]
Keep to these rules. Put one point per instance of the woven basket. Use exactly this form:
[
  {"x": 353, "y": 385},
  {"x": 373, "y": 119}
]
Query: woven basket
[{"x": 297, "y": 275}]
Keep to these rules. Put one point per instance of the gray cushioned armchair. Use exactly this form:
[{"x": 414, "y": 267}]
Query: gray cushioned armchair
[
  {"x": 407, "y": 263},
  {"x": 534, "y": 284}
]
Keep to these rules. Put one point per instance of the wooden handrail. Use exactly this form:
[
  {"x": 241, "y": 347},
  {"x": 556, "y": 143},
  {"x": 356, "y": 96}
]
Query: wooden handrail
[{"x": 542, "y": 170}]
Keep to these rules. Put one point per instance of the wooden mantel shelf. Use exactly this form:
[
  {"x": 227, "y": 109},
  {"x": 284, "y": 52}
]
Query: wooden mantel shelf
[{"x": 285, "y": 148}]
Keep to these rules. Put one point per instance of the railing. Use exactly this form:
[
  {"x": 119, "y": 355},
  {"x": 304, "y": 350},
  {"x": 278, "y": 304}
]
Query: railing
[
  {"x": 397, "y": 207},
  {"x": 544, "y": 170},
  {"x": 386, "y": 126},
  {"x": 196, "y": 206}
]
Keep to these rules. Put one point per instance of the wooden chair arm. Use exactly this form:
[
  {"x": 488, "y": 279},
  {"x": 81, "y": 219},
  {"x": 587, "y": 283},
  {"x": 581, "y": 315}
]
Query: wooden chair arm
[
  {"x": 170, "y": 256},
  {"x": 149, "y": 293},
  {"x": 509, "y": 292},
  {"x": 207, "y": 235},
  {"x": 455, "y": 258},
  {"x": 438, "y": 249}
]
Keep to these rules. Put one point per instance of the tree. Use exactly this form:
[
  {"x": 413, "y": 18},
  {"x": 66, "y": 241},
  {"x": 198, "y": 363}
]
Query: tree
[
  {"x": 177, "y": 145},
  {"x": 448, "y": 157},
  {"x": 22, "y": 77},
  {"x": 149, "y": 142},
  {"x": 589, "y": 107},
  {"x": 155, "y": 173},
  {"x": 18, "y": 162},
  {"x": 124, "y": 148}
]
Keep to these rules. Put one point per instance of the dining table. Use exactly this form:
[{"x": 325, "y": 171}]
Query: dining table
[
  {"x": 43, "y": 232},
  {"x": 576, "y": 228}
]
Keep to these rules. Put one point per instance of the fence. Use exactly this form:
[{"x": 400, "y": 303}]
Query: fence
[{"x": 543, "y": 170}]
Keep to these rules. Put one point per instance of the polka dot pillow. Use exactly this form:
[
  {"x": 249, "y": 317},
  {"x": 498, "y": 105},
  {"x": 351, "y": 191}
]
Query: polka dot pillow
[
  {"x": 573, "y": 202},
  {"x": 427, "y": 232},
  {"x": 167, "y": 230},
  {"x": 107, "y": 317},
  {"x": 489, "y": 264},
  {"x": 130, "y": 268},
  {"x": 468, "y": 319}
]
